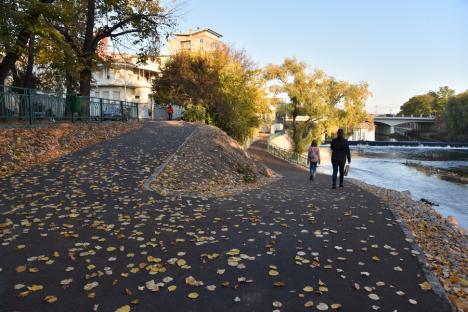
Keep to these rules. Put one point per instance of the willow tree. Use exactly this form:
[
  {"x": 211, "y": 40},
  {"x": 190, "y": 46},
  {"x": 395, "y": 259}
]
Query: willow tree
[
  {"x": 327, "y": 102},
  {"x": 139, "y": 24}
]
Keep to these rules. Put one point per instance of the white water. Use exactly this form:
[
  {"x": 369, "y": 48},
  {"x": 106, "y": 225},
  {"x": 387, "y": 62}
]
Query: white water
[{"x": 384, "y": 167}]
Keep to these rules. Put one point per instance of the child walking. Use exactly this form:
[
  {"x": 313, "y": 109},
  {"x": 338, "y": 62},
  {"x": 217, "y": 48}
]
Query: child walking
[{"x": 313, "y": 158}]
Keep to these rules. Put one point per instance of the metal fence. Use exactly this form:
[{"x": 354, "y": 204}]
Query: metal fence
[
  {"x": 32, "y": 105},
  {"x": 289, "y": 156}
]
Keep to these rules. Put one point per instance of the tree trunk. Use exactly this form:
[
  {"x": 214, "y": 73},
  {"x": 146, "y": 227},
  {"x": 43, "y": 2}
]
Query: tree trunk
[
  {"x": 15, "y": 75},
  {"x": 294, "y": 125},
  {"x": 28, "y": 77},
  {"x": 88, "y": 51},
  {"x": 70, "y": 82},
  {"x": 7, "y": 63}
]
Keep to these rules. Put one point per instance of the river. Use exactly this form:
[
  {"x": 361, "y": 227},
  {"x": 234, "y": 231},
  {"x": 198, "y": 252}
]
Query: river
[{"x": 415, "y": 169}]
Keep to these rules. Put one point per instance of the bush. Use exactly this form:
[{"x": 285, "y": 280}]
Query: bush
[
  {"x": 225, "y": 84},
  {"x": 194, "y": 113}
]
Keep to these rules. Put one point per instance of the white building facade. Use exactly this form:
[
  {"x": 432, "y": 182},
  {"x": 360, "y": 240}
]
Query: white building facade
[{"x": 125, "y": 79}]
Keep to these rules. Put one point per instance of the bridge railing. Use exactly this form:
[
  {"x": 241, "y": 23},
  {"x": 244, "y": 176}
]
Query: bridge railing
[{"x": 404, "y": 116}]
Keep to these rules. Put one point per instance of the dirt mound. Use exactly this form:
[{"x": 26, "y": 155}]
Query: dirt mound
[
  {"x": 210, "y": 163},
  {"x": 23, "y": 148}
]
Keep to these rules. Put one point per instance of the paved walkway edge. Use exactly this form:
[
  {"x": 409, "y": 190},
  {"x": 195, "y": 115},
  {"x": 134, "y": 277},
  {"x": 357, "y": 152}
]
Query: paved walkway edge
[
  {"x": 160, "y": 168},
  {"x": 429, "y": 275}
]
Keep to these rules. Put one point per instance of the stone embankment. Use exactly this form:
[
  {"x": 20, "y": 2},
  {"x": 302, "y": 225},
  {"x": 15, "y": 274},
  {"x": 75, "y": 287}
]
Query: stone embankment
[{"x": 442, "y": 242}]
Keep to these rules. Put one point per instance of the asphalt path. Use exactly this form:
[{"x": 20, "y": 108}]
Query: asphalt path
[{"x": 81, "y": 234}]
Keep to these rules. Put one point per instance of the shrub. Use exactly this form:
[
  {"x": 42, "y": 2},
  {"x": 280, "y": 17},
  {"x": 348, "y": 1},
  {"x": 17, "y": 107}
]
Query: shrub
[{"x": 194, "y": 113}]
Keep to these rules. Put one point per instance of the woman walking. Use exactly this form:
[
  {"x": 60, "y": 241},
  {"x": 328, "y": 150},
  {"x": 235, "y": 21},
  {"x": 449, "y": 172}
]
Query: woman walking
[{"x": 313, "y": 158}]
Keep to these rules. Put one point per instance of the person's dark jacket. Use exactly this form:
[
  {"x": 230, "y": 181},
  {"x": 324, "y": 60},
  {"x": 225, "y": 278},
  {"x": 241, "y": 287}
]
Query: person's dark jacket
[{"x": 340, "y": 150}]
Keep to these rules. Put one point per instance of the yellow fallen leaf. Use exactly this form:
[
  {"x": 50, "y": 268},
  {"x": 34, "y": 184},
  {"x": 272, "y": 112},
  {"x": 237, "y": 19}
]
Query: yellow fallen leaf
[
  {"x": 336, "y": 306},
  {"x": 308, "y": 289},
  {"x": 23, "y": 293},
  {"x": 181, "y": 262},
  {"x": 193, "y": 295},
  {"x": 273, "y": 273},
  {"x": 90, "y": 286},
  {"x": 125, "y": 308},
  {"x": 309, "y": 304},
  {"x": 172, "y": 288},
  {"x": 65, "y": 282},
  {"x": 50, "y": 299},
  {"x": 425, "y": 286},
  {"x": 233, "y": 252},
  {"x": 20, "y": 268},
  {"x": 35, "y": 287}
]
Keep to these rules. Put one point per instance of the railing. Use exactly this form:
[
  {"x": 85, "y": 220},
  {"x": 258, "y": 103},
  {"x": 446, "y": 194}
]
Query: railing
[
  {"x": 289, "y": 156},
  {"x": 33, "y": 105},
  {"x": 275, "y": 135}
]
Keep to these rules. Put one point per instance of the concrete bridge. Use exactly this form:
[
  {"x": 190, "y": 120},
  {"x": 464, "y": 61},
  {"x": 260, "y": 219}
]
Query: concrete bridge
[{"x": 386, "y": 124}]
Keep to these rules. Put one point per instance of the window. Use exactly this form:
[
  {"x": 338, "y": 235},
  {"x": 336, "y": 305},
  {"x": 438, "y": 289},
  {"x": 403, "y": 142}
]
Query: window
[
  {"x": 185, "y": 45},
  {"x": 116, "y": 95},
  {"x": 137, "y": 97},
  {"x": 105, "y": 94},
  {"x": 201, "y": 40}
]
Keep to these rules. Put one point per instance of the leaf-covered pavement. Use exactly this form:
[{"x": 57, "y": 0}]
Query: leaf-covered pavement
[{"x": 80, "y": 234}]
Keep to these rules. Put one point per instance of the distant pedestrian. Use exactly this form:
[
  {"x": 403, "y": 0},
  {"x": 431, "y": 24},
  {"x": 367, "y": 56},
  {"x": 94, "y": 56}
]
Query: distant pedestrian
[
  {"x": 170, "y": 111},
  {"x": 313, "y": 158},
  {"x": 340, "y": 151}
]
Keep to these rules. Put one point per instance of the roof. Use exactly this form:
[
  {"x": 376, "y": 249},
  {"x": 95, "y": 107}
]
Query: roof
[{"x": 200, "y": 31}]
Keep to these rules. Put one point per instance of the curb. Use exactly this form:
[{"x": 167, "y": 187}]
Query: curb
[{"x": 160, "y": 168}]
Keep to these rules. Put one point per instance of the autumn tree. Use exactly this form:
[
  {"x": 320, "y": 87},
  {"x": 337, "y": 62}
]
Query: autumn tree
[
  {"x": 223, "y": 83},
  {"x": 83, "y": 24},
  {"x": 20, "y": 22},
  {"x": 327, "y": 102}
]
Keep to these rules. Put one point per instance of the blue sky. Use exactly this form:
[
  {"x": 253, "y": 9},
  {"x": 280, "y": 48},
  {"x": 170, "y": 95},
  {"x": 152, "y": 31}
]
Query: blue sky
[{"x": 399, "y": 47}]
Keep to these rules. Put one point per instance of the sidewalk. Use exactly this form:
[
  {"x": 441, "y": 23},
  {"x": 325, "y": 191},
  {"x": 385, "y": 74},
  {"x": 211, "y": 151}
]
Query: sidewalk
[{"x": 83, "y": 230}]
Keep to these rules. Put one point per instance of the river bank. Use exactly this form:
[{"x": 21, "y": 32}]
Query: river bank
[
  {"x": 441, "y": 241},
  {"x": 457, "y": 175},
  {"x": 431, "y": 173}
]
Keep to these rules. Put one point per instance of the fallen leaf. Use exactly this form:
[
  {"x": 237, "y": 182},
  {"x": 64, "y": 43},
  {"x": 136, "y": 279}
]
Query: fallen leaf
[
  {"x": 425, "y": 286},
  {"x": 125, "y": 308},
  {"x": 50, "y": 299}
]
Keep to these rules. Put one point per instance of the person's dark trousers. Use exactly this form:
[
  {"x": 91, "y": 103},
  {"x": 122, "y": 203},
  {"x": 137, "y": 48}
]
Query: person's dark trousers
[
  {"x": 338, "y": 165},
  {"x": 170, "y": 116}
]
